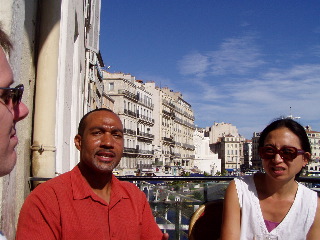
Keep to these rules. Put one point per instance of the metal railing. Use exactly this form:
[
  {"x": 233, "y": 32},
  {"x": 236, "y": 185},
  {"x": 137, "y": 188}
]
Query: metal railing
[{"x": 174, "y": 199}]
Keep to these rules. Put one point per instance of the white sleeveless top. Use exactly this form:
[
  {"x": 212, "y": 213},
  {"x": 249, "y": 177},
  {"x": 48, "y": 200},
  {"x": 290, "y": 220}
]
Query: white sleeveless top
[
  {"x": 294, "y": 226},
  {"x": 2, "y": 237}
]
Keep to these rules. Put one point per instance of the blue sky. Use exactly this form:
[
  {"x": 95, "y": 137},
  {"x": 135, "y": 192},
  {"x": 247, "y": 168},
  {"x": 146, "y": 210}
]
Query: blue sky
[{"x": 239, "y": 62}]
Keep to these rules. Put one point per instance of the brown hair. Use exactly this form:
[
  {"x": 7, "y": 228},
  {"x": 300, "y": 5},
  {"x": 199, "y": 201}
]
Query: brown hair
[{"x": 5, "y": 42}]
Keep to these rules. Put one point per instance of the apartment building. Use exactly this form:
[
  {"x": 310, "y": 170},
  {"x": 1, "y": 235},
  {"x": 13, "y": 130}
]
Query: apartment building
[
  {"x": 228, "y": 144},
  {"x": 134, "y": 105},
  {"x": 247, "y": 155},
  {"x": 218, "y": 130},
  {"x": 174, "y": 128},
  {"x": 314, "y": 138},
  {"x": 256, "y": 160},
  {"x": 158, "y": 126},
  {"x": 230, "y": 151}
]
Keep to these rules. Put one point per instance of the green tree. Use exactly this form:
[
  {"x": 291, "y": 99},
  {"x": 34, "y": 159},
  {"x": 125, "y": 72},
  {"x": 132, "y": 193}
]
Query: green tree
[{"x": 198, "y": 195}]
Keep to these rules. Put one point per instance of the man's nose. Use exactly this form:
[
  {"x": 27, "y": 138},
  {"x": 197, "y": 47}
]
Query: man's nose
[
  {"x": 107, "y": 139},
  {"x": 20, "y": 112}
]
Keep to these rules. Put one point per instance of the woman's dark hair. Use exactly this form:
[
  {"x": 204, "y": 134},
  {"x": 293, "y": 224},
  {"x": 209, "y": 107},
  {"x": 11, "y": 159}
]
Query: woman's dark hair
[{"x": 294, "y": 127}]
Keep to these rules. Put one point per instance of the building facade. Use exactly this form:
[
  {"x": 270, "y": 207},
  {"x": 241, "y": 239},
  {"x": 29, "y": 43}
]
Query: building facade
[
  {"x": 205, "y": 160},
  {"x": 134, "y": 105},
  {"x": 230, "y": 150},
  {"x": 256, "y": 160},
  {"x": 174, "y": 128},
  {"x": 313, "y": 168},
  {"x": 158, "y": 126},
  {"x": 247, "y": 155},
  {"x": 218, "y": 130},
  {"x": 228, "y": 144}
]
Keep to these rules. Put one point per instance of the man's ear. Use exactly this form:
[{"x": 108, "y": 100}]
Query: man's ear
[
  {"x": 77, "y": 141},
  {"x": 306, "y": 158}
]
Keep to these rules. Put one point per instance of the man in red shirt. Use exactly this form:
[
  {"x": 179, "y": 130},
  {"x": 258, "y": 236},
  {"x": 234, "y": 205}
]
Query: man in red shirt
[{"x": 89, "y": 202}]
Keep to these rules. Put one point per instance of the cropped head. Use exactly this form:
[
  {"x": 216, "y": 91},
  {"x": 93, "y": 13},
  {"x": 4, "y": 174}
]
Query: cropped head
[
  {"x": 284, "y": 143},
  {"x": 100, "y": 141},
  {"x": 12, "y": 109}
]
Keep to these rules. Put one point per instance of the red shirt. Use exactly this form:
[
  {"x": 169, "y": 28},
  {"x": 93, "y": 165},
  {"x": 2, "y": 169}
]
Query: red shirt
[{"x": 65, "y": 207}]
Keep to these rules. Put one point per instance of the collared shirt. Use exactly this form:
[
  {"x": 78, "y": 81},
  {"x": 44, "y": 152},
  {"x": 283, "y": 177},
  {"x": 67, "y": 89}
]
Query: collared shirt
[{"x": 67, "y": 208}]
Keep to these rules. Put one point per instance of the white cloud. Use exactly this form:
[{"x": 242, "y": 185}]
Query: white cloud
[
  {"x": 252, "y": 103},
  {"x": 237, "y": 55},
  {"x": 230, "y": 85},
  {"x": 193, "y": 63}
]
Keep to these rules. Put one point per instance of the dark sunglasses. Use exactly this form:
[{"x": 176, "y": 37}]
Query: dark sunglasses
[
  {"x": 12, "y": 93},
  {"x": 286, "y": 153}
]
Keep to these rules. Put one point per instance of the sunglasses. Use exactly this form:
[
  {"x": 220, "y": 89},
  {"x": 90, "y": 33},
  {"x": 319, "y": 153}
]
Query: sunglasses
[
  {"x": 286, "y": 153},
  {"x": 12, "y": 93}
]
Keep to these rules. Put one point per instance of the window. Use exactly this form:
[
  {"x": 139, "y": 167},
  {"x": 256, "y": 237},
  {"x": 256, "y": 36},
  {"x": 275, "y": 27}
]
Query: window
[{"x": 111, "y": 86}]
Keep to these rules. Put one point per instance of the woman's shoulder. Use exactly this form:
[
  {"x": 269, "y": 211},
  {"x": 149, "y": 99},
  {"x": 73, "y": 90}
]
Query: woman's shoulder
[
  {"x": 2, "y": 237},
  {"x": 247, "y": 179},
  {"x": 306, "y": 191}
]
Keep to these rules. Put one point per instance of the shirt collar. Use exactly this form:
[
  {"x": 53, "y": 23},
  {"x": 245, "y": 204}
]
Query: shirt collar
[{"x": 82, "y": 190}]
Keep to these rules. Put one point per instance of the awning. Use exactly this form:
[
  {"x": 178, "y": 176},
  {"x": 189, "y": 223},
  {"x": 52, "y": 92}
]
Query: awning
[
  {"x": 161, "y": 174},
  {"x": 229, "y": 169}
]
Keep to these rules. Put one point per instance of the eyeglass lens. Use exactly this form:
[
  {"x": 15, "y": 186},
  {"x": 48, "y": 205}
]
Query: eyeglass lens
[
  {"x": 13, "y": 93},
  {"x": 286, "y": 153}
]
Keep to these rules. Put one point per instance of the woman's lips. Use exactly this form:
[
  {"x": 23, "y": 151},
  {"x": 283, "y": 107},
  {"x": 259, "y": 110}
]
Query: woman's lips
[{"x": 278, "y": 170}]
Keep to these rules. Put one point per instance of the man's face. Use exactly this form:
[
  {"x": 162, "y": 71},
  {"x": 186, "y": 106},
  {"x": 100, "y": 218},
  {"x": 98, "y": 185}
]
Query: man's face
[
  {"x": 9, "y": 116},
  {"x": 101, "y": 145}
]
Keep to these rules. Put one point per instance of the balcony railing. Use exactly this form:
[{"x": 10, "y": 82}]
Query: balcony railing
[
  {"x": 130, "y": 150},
  {"x": 173, "y": 200},
  {"x": 129, "y": 131},
  {"x": 145, "y": 135}
]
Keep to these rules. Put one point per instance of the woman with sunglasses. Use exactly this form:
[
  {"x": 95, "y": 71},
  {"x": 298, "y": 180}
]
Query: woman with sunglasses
[{"x": 274, "y": 203}]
